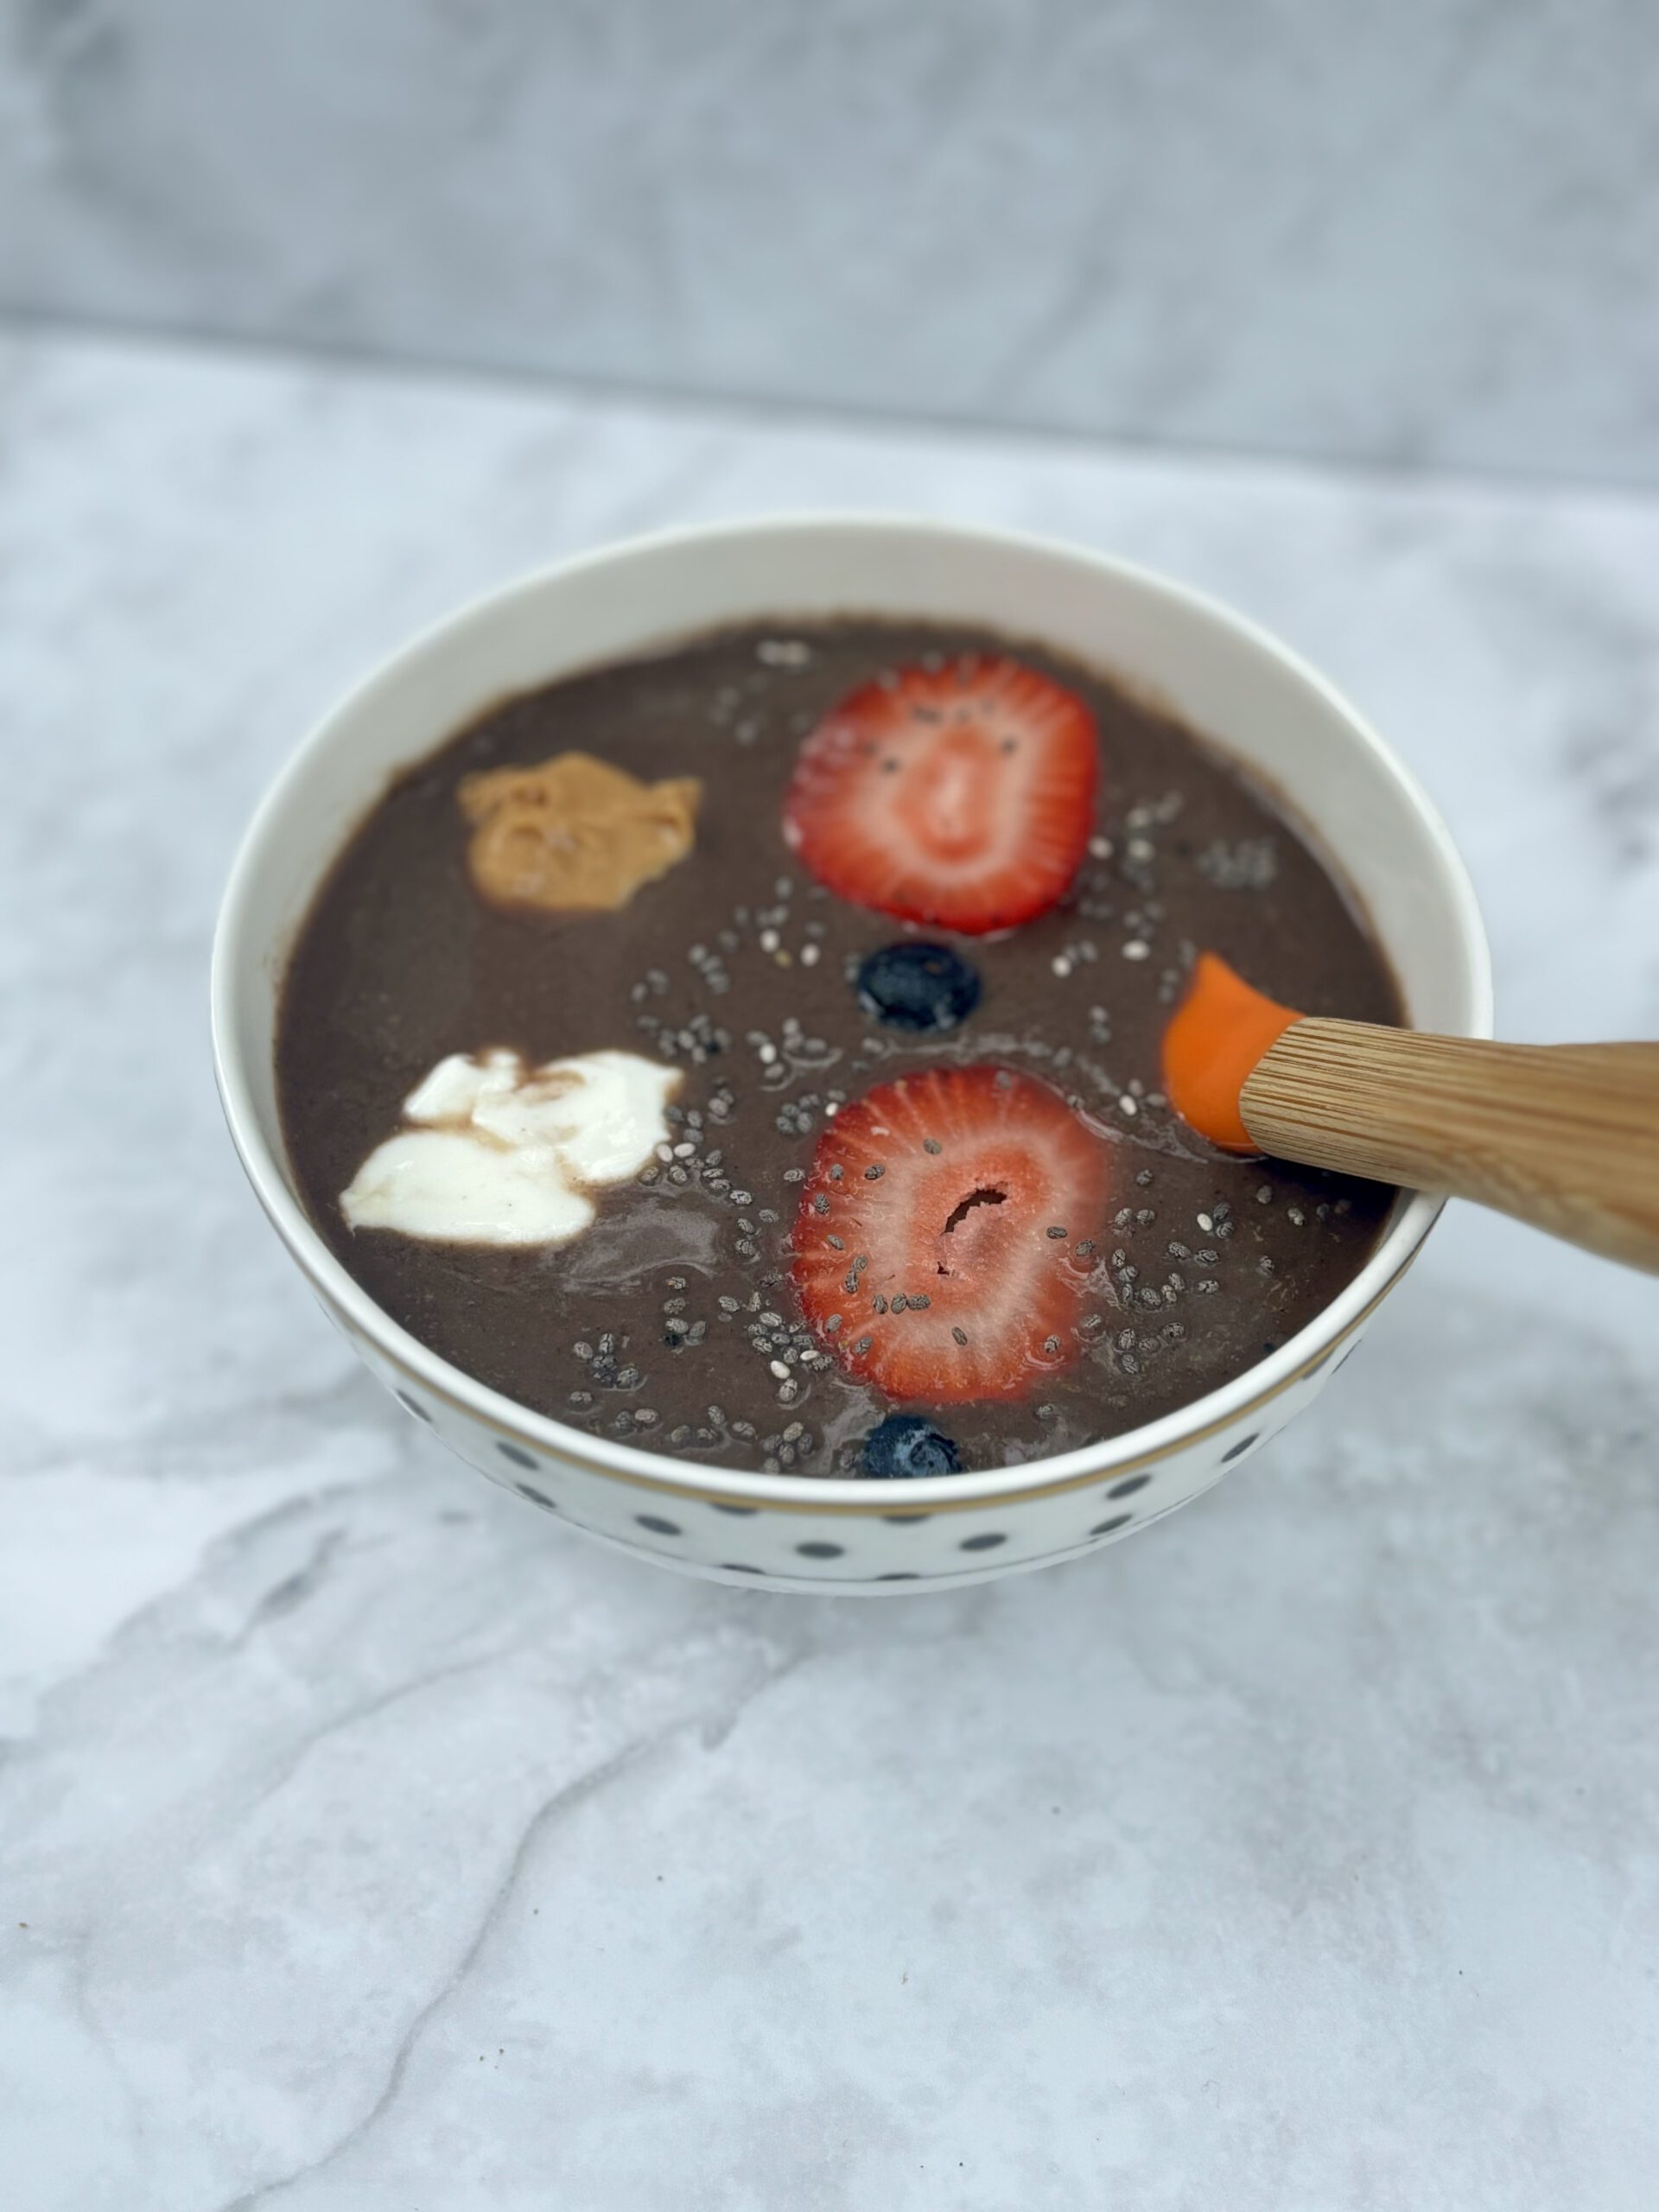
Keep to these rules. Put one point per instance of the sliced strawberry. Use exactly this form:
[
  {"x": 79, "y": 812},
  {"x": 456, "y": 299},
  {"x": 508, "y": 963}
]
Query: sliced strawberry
[
  {"x": 961, "y": 797},
  {"x": 933, "y": 1253}
]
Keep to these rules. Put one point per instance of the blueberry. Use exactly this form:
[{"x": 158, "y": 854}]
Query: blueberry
[
  {"x": 905, "y": 1444},
  {"x": 918, "y": 986}
]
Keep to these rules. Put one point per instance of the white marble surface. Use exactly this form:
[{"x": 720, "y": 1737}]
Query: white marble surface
[
  {"x": 367, "y": 1842},
  {"x": 1424, "y": 231}
]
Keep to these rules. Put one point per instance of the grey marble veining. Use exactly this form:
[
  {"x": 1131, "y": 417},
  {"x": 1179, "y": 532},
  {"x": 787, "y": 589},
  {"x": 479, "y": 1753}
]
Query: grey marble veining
[
  {"x": 1425, "y": 233},
  {"x": 367, "y": 1841}
]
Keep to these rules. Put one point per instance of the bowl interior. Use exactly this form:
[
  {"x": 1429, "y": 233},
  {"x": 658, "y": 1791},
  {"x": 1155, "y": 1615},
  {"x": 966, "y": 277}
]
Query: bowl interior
[{"x": 1229, "y": 682}]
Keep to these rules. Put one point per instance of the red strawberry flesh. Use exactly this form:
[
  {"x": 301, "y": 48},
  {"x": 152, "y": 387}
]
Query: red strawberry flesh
[
  {"x": 960, "y": 797},
  {"x": 933, "y": 1253}
]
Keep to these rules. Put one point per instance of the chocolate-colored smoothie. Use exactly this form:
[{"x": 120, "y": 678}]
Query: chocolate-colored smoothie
[{"x": 673, "y": 1320}]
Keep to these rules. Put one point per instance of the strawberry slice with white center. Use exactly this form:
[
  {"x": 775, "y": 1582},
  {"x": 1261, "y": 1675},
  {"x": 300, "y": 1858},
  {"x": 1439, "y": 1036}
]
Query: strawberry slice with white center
[
  {"x": 962, "y": 797},
  {"x": 934, "y": 1252}
]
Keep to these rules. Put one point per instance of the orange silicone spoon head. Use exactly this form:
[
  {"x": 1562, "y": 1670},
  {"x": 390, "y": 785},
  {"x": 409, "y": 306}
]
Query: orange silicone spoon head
[{"x": 1214, "y": 1041}]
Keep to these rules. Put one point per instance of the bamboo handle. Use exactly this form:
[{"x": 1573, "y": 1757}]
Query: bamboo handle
[{"x": 1565, "y": 1137}]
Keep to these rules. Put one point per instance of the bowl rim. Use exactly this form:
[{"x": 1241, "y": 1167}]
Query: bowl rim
[{"x": 1311, "y": 1349}]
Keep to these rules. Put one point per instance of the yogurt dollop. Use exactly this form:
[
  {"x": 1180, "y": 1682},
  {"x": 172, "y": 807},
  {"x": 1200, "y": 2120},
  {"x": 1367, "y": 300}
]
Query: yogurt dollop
[{"x": 498, "y": 1153}]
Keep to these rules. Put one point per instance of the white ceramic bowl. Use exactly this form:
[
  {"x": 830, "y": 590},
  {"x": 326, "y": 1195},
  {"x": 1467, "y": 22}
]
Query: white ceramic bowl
[{"x": 1225, "y": 678}]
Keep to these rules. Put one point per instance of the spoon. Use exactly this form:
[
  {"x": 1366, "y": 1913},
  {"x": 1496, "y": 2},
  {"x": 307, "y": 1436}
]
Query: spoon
[{"x": 1564, "y": 1136}]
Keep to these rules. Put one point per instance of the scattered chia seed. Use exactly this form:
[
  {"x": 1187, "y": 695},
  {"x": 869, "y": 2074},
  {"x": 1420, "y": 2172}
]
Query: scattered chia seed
[
  {"x": 1054, "y": 1233},
  {"x": 961, "y": 1335},
  {"x": 1245, "y": 864}
]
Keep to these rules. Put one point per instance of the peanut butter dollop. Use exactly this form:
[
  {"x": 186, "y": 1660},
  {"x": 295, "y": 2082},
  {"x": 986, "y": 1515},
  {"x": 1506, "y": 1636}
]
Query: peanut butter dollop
[{"x": 575, "y": 833}]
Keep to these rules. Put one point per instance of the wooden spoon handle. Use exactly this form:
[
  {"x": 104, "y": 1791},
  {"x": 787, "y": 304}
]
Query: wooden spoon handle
[{"x": 1565, "y": 1137}]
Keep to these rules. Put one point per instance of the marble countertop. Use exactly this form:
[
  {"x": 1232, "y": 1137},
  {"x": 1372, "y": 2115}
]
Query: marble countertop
[{"x": 368, "y": 1842}]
